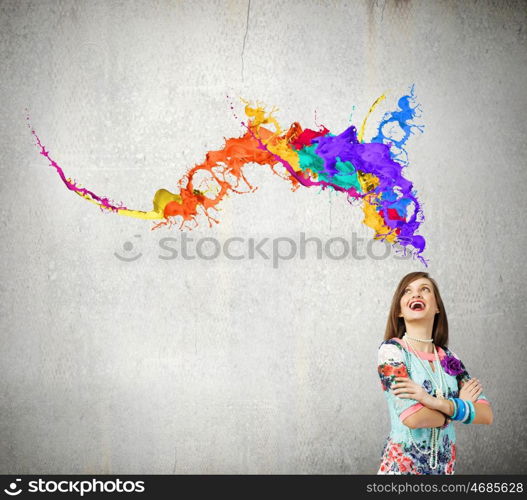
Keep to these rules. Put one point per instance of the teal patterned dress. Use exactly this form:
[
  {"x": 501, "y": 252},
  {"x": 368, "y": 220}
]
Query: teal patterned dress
[{"x": 399, "y": 455}]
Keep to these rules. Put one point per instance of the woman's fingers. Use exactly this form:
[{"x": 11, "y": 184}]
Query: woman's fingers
[
  {"x": 405, "y": 394},
  {"x": 471, "y": 385},
  {"x": 475, "y": 397},
  {"x": 476, "y": 387},
  {"x": 471, "y": 382},
  {"x": 402, "y": 389},
  {"x": 406, "y": 390},
  {"x": 405, "y": 387},
  {"x": 471, "y": 390}
]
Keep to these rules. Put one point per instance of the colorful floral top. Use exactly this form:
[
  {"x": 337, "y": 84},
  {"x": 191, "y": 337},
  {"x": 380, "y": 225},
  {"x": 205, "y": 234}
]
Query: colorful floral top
[{"x": 399, "y": 455}]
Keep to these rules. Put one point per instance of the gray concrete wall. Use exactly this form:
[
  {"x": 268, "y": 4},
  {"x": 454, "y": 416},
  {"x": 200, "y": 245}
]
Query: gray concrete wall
[{"x": 222, "y": 366}]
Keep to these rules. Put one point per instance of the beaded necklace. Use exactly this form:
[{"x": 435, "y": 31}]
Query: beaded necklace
[{"x": 439, "y": 384}]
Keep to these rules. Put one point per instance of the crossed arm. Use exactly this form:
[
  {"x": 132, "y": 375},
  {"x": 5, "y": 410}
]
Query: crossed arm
[{"x": 435, "y": 411}]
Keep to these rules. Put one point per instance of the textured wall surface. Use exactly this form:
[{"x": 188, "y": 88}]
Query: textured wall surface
[{"x": 238, "y": 366}]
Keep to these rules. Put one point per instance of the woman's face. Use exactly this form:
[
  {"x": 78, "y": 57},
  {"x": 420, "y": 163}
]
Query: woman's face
[{"x": 418, "y": 301}]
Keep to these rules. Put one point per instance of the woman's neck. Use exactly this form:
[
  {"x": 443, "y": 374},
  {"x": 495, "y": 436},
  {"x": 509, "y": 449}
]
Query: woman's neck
[{"x": 420, "y": 332}]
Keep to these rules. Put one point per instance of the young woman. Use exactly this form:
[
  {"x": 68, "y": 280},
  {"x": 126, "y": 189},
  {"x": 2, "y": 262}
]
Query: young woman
[{"x": 427, "y": 387}]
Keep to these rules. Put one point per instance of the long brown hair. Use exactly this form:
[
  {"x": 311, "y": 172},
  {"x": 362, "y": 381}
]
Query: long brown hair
[{"x": 395, "y": 326}]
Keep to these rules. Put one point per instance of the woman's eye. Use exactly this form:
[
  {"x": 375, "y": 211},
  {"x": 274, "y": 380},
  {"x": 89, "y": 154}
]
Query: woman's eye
[{"x": 423, "y": 288}]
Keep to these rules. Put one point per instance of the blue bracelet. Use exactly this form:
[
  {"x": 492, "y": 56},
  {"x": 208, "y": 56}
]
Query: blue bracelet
[
  {"x": 456, "y": 406},
  {"x": 468, "y": 413},
  {"x": 472, "y": 413},
  {"x": 471, "y": 419},
  {"x": 453, "y": 417},
  {"x": 462, "y": 410}
]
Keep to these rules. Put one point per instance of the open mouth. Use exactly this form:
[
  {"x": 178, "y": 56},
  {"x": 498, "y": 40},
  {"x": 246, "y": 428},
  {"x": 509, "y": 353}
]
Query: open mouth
[{"x": 417, "y": 305}]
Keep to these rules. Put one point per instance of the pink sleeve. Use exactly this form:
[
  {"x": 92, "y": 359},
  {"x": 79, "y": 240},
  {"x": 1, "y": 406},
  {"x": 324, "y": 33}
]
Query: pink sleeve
[{"x": 410, "y": 411}]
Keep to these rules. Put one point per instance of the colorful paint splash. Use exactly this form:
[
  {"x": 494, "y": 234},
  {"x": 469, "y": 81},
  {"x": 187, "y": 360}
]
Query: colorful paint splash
[{"x": 369, "y": 171}]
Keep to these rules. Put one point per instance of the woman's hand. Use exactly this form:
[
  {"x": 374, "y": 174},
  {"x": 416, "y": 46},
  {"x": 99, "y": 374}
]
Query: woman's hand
[
  {"x": 471, "y": 390},
  {"x": 406, "y": 388}
]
